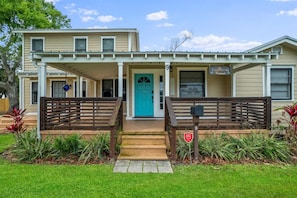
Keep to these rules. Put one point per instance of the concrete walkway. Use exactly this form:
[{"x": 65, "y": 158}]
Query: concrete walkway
[{"x": 139, "y": 166}]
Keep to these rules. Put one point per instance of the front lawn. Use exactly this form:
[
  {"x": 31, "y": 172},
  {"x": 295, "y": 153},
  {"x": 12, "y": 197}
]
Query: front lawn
[{"x": 34, "y": 180}]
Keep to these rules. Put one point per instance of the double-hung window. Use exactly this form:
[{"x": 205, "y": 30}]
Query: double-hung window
[
  {"x": 37, "y": 44},
  {"x": 110, "y": 88},
  {"x": 57, "y": 89},
  {"x": 108, "y": 44},
  {"x": 191, "y": 84},
  {"x": 80, "y": 44},
  {"x": 84, "y": 89},
  {"x": 281, "y": 83},
  {"x": 34, "y": 92}
]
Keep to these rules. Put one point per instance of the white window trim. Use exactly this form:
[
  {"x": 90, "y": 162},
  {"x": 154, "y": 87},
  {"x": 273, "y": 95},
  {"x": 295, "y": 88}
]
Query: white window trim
[
  {"x": 81, "y": 37},
  {"x": 33, "y": 38},
  {"x": 31, "y": 81},
  {"x": 293, "y": 76},
  {"x": 108, "y": 37},
  {"x": 113, "y": 85},
  {"x": 54, "y": 80},
  {"x": 74, "y": 81},
  {"x": 191, "y": 69}
]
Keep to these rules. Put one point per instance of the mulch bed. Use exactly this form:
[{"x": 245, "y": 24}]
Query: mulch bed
[{"x": 74, "y": 160}]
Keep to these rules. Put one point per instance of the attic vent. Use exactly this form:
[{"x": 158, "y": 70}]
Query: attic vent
[{"x": 277, "y": 49}]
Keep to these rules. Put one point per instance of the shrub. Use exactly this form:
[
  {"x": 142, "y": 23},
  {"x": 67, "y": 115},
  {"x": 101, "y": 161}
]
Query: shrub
[
  {"x": 248, "y": 147},
  {"x": 69, "y": 145},
  {"x": 276, "y": 150},
  {"x": 96, "y": 149},
  {"x": 217, "y": 147},
  {"x": 256, "y": 146},
  {"x": 29, "y": 148},
  {"x": 17, "y": 127}
]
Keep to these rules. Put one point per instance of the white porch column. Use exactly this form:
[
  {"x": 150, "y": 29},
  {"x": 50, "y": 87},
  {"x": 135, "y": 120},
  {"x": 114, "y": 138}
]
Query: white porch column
[
  {"x": 233, "y": 81},
  {"x": 120, "y": 79},
  {"x": 42, "y": 80},
  {"x": 167, "y": 78},
  {"x": 21, "y": 92},
  {"x": 41, "y": 92},
  {"x": 78, "y": 87},
  {"x": 267, "y": 80}
]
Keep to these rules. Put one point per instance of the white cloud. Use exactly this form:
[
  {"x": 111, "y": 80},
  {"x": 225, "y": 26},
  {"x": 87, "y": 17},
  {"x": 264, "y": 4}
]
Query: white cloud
[
  {"x": 156, "y": 16},
  {"x": 87, "y": 11},
  {"x": 108, "y": 18},
  {"x": 87, "y": 18},
  {"x": 289, "y": 12},
  {"x": 185, "y": 33},
  {"x": 52, "y": 1},
  {"x": 71, "y": 8},
  {"x": 98, "y": 27},
  {"x": 165, "y": 25},
  {"x": 216, "y": 43},
  {"x": 87, "y": 15}
]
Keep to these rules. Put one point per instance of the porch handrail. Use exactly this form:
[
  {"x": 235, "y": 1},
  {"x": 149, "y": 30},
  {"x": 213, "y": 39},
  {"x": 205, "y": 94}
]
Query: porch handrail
[
  {"x": 115, "y": 113},
  {"x": 117, "y": 116},
  {"x": 170, "y": 126}
]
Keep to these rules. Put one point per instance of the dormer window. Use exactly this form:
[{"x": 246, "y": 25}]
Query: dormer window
[
  {"x": 80, "y": 44},
  {"x": 37, "y": 44},
  {"x": 108, "y": 44}
]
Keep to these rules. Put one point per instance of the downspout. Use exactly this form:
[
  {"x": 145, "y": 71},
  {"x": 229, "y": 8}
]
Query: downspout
[{"x": 38, "y": 99}]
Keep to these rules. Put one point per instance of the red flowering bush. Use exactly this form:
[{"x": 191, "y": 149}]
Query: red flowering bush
[
  {"x": 291, "y": 111},
  {"x": 17, "y": 127}
]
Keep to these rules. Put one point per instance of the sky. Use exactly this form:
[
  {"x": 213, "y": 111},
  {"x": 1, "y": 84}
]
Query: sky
[{"x": 208, "y": 25}]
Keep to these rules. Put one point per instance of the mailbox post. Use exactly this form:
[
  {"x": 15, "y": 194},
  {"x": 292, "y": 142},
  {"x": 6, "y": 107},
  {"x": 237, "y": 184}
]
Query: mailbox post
[{"x": 196, "y": 112}]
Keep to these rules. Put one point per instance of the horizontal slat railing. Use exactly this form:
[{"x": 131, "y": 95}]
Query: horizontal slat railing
[
  {"x": 219, "y": 114},
  {"x": 224, "y": 113},
  {"x": 78, "y": 113},
  {"x": 104, "y": 114}
]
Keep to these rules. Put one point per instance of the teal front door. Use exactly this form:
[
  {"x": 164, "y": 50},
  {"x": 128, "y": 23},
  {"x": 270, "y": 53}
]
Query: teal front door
[{"x": 144, "y": 95}]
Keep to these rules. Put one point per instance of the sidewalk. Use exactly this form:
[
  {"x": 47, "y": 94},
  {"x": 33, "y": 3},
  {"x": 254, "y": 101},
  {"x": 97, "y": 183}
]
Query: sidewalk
[{"x": 139, "y": 166}]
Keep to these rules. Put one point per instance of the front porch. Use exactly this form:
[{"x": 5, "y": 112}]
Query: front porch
[{"x": 93, "y": 116}]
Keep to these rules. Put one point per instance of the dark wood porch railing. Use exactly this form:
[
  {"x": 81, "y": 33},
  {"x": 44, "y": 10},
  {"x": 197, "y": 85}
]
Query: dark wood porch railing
[
  {"x": 83, "y": 114},
  {"x": 219, "y": 113}
]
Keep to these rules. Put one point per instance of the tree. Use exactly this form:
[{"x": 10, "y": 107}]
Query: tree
[
  {"x": 22, "y": 14},
  {"x": 181, "y": 39}
]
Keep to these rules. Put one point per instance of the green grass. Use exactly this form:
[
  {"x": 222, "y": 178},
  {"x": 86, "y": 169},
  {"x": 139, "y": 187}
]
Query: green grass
[
  {"x": 6, "y": 140},
  {"x": 31, "y": 180}
]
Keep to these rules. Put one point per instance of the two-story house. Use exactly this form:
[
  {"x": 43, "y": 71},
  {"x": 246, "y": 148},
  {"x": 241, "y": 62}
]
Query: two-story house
[{"x": 109, "y": 63}]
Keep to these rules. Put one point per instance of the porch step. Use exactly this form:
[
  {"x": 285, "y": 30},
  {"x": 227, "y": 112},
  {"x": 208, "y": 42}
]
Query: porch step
[
  {"x": 143, "y": 147},
  {"x": 29, "y": 122}
]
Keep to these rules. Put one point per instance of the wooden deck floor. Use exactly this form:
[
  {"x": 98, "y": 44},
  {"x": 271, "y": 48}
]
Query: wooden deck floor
[{"x": 143, "y": 125}]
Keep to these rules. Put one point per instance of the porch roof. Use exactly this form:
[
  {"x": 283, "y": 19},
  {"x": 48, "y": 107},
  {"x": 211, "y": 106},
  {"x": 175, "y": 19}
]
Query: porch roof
[{"x": 72, "y": 61}]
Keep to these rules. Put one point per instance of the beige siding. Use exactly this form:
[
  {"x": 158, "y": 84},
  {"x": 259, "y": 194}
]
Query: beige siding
[
  {"x": 218, "y": 86},
  {"x": 33, "y": 107},
  {"x": 64, "y": 42},
  {"x": 27, "y": 95},
  {"x": 249, "y": 82},
  {"x": 288, "y": 58}
]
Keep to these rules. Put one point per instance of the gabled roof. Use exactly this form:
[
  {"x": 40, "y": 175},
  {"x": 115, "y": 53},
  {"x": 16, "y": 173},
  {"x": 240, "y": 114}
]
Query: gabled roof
[
  {"x": 96, "y": 30},
  {"x": 276, "y": 42}
]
